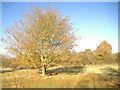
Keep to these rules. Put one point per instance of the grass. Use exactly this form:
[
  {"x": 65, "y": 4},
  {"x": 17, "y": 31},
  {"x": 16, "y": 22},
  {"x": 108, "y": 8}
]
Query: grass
[{"x": 66, "y": 77}]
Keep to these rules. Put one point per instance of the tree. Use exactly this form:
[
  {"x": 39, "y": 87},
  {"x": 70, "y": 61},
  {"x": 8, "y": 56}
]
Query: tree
[
  {"x": 103, "y": 50},
  {"x": 111, "y": 59},
  {"x": 5, "y": 60},
  {"x": 87, "y": 57},
  {"x": 39, "y": 37}
]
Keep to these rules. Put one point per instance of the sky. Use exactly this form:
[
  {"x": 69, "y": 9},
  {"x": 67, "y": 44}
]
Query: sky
[{"x": 94, "y": 21}]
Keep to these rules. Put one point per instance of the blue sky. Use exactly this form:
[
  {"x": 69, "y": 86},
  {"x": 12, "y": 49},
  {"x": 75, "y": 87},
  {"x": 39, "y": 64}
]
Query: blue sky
[{"x": 96, "y": 21}]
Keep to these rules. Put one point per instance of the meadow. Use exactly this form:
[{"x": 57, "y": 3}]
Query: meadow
[
  {"x": 89, "y": 76},
  {"x": 46, "y": 49}
]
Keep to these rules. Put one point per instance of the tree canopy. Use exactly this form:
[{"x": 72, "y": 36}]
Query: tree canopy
[
  {"x": 40, "y": 36},
  {"x": 103, "y": 50}
]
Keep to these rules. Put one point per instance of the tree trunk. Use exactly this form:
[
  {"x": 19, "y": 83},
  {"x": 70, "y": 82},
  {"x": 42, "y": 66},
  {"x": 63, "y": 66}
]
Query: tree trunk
[
  {"x": 43, "y": 70},
  {"x": 43, "y": 65}
]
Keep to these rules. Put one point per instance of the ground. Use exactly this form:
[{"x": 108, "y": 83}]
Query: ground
[{"x": 99, "y": 76}]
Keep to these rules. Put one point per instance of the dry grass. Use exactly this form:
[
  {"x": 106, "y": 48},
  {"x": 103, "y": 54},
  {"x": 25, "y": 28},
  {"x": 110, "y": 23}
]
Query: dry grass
[
  {"x": 88, "y": 79},
  {"x": 98, "y": 68}
]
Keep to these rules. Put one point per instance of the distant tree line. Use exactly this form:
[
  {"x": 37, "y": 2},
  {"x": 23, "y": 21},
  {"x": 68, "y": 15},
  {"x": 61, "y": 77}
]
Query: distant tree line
[{"x": 102, "y": 55}]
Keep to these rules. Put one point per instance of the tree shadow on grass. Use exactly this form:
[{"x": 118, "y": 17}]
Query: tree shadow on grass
[
  {"x": 11, "y": 70},
  {"x": 68, "y": 70},
  {"x": 4, "y": 71}
]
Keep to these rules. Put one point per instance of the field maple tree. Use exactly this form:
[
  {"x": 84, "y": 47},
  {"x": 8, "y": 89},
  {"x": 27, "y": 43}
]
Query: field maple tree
[{"x": 39, "y": 37}]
